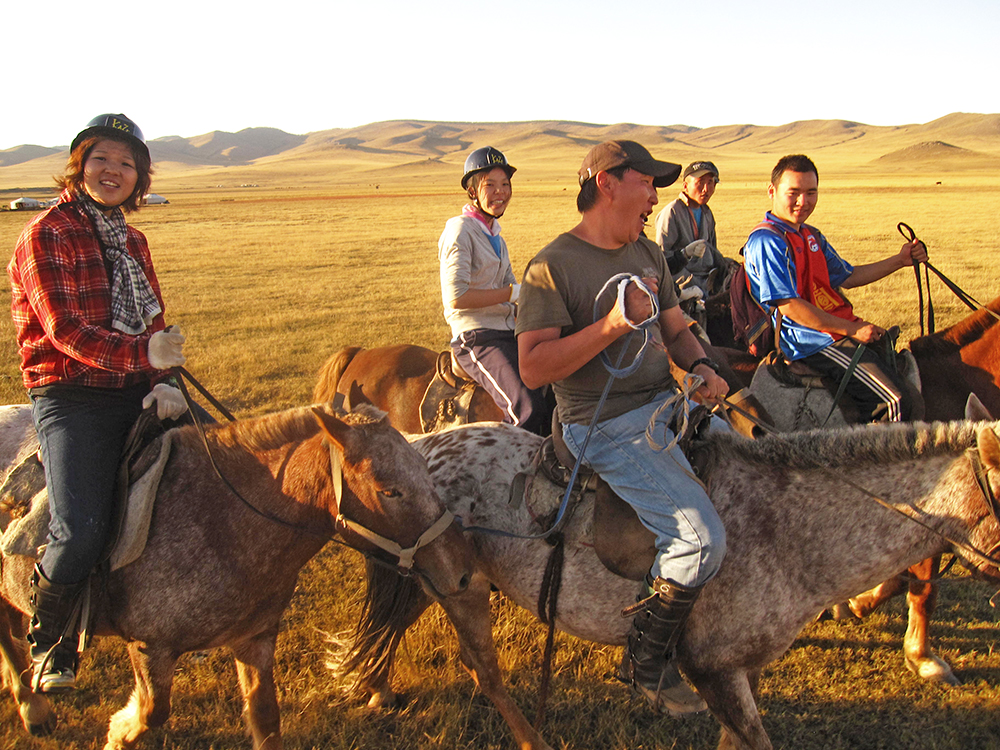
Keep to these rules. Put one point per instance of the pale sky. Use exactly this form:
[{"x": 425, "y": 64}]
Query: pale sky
[{"x": 187, "y": 67}]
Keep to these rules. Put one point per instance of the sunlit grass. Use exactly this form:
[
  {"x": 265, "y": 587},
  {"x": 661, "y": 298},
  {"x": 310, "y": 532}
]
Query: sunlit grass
[{"x": 267, "y": 284}]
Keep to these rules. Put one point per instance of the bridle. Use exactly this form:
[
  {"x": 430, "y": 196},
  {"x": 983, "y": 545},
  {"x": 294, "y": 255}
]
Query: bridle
[{"x": 404, "y": 557}]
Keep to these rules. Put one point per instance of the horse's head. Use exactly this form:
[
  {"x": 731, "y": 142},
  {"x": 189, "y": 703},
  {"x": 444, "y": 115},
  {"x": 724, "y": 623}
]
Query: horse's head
[
  {"x": 388, "y": 500},
  {"x": 985, "y": 534}
]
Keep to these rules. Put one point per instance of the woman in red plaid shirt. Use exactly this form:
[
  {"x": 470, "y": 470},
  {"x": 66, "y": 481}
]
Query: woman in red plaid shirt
[{"x": 89, "y": 320}]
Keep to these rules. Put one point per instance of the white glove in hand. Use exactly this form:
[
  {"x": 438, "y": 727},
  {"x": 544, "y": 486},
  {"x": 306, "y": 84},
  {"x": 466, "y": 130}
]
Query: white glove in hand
[
  {"x": 169, "y": 401},
  {"x": 695, "y": 250},
  {"x": 515, "y": 291},
  {"x": 164, "y": 349}
]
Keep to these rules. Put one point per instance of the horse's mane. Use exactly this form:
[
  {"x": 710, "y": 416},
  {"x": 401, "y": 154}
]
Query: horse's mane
[
  {"x": 272, "y": 431},
  {"x": 851, "y": 446},
  {"x": 951, "y": 339}
]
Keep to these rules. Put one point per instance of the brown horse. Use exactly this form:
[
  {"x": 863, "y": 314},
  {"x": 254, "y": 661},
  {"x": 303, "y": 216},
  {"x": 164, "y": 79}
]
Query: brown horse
[
  {"x": 777, "y": 501},
  {"x": 219, "y": 570},
  {"x": 395, "y": 378}
]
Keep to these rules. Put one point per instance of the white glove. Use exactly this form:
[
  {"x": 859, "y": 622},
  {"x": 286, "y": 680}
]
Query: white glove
[
  {"x": 169, "y": 401},
  {"x": 515, "y": 291},
  {"x": 164, "y": 349},
  {"x": 695, "y": 250}
]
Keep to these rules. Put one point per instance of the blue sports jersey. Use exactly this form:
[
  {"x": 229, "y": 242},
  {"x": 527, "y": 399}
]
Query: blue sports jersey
[{"x": 771, "y": 272}]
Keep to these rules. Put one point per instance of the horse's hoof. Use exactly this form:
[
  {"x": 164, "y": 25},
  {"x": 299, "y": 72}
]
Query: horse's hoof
[
  {"x": 387, "y": 701},
  {"x": 843, "y": 611},
  {"x": 45, "y": 728},
  {"x": 933, "y": 669}
]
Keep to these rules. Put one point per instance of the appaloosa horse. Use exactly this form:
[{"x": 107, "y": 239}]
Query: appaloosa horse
[
  {"x": 954, "y": 364},
  {"x": 803, "y": 531},
  {"x": 219, "y": 570}
]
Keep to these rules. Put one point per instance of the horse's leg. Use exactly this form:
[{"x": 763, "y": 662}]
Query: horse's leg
[
  {"x": 255, "y": 667},
  {"x": 866, "y": 603},
  {"x": 149, "y": 705},
  {"x": 380, "y": 685},
  {"x": 921, "y": 598},
  {"x": 469, "y": 613},
  {"x": 730, "y": 698},
  {"x": 35, "y": 710}
]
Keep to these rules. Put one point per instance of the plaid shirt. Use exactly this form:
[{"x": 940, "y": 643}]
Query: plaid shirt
[{"x": 61, "y": 304}]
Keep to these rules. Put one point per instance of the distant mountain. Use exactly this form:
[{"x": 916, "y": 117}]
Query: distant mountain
[
  {"x": 21, "y": 154},
  {"x": 222, "y": 149},
  {"x": 416, "y": 146}
]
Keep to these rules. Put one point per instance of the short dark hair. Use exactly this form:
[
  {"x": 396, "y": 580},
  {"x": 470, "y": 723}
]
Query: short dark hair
[
  {"x": 792, "y": 163},
  {"x": 72, "y": 178},
  {"x": 587, "y": 196}
]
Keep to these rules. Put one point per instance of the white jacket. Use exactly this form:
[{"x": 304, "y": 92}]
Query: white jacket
[{"x": 468, "y": 261}]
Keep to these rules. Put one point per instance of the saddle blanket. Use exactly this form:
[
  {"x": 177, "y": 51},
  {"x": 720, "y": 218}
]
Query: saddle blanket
[{"x": 27, "y": 535}]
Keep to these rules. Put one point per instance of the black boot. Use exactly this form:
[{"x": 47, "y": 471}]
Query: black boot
[
  {"x": 648, "y": 663},
  {"x": 52, "y": 634}
]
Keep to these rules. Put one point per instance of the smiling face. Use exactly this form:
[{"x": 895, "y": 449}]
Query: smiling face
[
  {"x": 492, "y": 192},
  {"x": 109, "y": 173},
  {"x": 794, "y": 197}
]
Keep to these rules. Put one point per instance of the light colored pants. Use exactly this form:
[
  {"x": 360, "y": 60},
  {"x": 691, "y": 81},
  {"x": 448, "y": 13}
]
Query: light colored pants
[{"x": 673, "y": 505}]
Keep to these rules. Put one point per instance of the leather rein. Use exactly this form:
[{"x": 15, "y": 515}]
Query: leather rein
[{"x": 404, "y": 557}]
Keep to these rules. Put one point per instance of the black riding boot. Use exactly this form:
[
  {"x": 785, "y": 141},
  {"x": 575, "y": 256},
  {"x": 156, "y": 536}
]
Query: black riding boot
[
  {"x": 52, "y": 634},
  {"x": 648, "y": 663}
]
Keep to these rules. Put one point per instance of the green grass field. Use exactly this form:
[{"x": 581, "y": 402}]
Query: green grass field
[{"x": 268, "y": 282}]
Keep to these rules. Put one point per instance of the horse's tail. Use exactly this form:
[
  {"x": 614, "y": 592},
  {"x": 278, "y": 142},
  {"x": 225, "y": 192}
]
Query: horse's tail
[
  {"x": 392, "y": 604},
  {"x": 330, "y": 373}
]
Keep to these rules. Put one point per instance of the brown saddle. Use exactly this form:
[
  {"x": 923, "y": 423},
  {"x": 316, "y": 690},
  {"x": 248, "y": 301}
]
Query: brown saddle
[
  {"x": 622, "y": 543},
  {"x": 448, "y": 397}
]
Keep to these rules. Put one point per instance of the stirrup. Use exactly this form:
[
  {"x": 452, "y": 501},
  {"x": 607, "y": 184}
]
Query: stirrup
[
  {"x": 49, "y": 675},
  {"x": 673, "y": 696}
]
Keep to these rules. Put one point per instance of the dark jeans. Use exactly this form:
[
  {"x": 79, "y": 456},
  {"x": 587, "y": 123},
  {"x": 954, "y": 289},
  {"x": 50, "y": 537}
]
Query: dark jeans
[
  {"x": 490, "y": 358},
  {"x": 82, "y": 432}
]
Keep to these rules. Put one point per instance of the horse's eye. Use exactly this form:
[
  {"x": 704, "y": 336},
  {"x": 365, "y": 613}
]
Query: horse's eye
[{"x": 390, "y": 493}]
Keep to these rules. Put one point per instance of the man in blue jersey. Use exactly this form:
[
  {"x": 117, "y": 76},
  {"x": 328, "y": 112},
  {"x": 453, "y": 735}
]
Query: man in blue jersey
[{"x": 793, "y": 270}]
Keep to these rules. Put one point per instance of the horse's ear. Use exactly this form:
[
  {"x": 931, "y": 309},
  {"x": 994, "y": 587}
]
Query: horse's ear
[
  {"x": 975, "y": 411},
  {"x": 337, "y": 432},
  {"x": 355, "y": 396},
  {"x": 989, "y": 448}
]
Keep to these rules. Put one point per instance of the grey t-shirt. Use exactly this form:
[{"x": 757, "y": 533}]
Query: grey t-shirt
[{"x": 558, "y": 291}]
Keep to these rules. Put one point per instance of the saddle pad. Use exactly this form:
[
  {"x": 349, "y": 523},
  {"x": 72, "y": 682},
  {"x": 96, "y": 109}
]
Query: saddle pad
[
  {"x": 27, "y": 536},
  {"x": 444, "y": 405}
]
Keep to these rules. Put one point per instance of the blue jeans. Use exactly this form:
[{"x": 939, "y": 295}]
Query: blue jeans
[
  {"x": 673, "y": 505},
  {"x": 82, "y": 432}
]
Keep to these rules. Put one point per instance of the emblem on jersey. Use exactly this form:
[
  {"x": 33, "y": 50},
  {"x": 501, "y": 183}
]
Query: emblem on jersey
[{"x": 813, "y": 244}]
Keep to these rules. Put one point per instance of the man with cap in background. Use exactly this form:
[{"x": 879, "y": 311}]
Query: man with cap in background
[
  {"x": 560, "y": 339},
  {"x": 685, "y": 231}
]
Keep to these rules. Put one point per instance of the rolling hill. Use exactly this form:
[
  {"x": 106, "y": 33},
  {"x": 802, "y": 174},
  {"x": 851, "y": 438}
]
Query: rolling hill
[{"x": 551, "y": 149}]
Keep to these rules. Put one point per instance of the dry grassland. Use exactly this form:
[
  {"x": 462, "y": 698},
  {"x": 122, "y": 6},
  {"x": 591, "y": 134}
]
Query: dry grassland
[{"x": 267, "y": 282}]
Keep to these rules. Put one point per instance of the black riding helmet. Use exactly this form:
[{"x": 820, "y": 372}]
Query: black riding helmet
[
  {"x": 110, "y": 124},
  {"x": 485, "y": 158}
]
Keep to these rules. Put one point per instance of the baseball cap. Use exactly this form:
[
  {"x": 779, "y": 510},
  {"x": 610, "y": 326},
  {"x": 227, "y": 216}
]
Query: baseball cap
[
  {"x": 698, "y": 168},
  {"x": 611, "y": 154}
]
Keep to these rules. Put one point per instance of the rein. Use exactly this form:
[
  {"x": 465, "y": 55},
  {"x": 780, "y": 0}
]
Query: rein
[
  {"x": 967, "y": 299},
  {"x": 405, "y": 556}
]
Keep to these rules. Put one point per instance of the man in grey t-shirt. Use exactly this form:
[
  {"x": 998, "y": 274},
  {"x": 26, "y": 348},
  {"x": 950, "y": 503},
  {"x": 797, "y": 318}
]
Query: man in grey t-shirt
[{"x": 559, "y": 342}]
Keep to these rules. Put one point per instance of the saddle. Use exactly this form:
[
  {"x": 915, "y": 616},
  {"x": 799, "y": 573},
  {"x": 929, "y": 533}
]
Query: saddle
[
  {"x": 144, "y": 457},
  {"x": 778, "y": 381},
  {"x": 448, "y": 397},
  {"x": 622, "y": 543}
]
